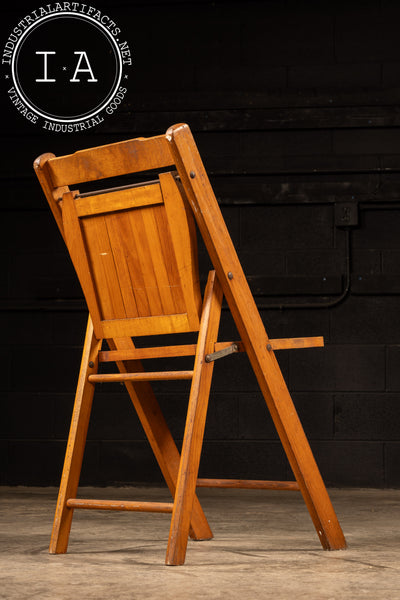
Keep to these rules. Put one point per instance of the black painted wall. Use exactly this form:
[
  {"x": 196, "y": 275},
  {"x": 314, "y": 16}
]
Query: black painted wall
[{"x": 294, "y": 106}]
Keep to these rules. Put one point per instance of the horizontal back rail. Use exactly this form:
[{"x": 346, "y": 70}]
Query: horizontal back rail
[
  {"x": 112, "y": 160},
  {"x": 117, "y": 200},
  {"x": 155, "y": 325}
]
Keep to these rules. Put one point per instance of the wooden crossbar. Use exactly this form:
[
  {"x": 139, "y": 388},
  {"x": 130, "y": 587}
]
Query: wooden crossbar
[
  {"x": 279, "y": 344},
  {"x": 143, "y": 353},
  {"x": 150, "y": 376},
  {"x": 248, "y": 484},
  {"x": 160, "y": 507},
  {"x": 190, "y": 349},
  {"x": 296, "y": 343}
]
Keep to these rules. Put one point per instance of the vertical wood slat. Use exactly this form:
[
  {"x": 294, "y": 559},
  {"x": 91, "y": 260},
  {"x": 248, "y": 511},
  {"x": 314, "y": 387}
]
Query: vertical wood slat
[
  {"x": 115, "y": 225},
  {"x": 156, "y": 234},
  {"x": 103, "y": 268},
  {"x": 170, "y": 262},
  {"x": 133, "y": 263},
  {"x": 150, "y": 289}
]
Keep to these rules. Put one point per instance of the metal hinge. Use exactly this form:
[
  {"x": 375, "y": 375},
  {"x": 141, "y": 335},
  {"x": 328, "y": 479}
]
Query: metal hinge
[{"x": 221, "y": 353}]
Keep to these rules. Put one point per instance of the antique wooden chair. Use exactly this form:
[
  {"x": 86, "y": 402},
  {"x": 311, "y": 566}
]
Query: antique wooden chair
[{"x": 134, "y": 251}]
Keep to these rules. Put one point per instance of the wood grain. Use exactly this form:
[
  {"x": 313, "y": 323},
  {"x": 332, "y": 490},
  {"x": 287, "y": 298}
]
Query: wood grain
[{"x": 253, "y": 335}]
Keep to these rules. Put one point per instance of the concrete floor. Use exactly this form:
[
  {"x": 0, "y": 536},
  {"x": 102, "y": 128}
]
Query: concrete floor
[{"x": 264, "y": 547}]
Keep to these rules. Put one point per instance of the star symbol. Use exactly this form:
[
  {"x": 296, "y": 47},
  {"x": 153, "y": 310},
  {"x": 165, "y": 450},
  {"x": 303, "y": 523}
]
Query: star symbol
[
  {"x": 125, "y": 76},
  {"x": 7, "y": 77},
  {"x": 64, "y": 68}
]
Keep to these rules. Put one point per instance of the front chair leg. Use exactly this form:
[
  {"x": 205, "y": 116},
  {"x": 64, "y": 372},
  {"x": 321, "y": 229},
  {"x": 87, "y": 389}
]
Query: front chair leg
[
  {"x": 195, "y": 424},
  {"x": 159, "y": 435}
]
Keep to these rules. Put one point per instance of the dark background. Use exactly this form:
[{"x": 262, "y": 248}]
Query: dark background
[{"x": 294, "y": 106}]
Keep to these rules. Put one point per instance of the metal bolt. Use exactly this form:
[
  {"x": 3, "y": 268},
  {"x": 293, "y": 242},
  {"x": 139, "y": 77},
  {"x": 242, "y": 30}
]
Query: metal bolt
[
  {"x": 230, "y": 275},
  {"x": 192, "y": 174},
  {"x": 91, "y": 364},
  {"x": 269, "y": 347}
]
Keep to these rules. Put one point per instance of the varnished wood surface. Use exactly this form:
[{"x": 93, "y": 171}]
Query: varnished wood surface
[
  {"x": 195, "y": 424},
  {"x": 76, "y": 443},
  {"x": 111, "y": 160},
  {"x": 158, "y": 433},
  {"x": 147, "y": 376},
  {"x": 151, "y": 352},
  {"x": 135, "y": 258},
  {"x": 248, "y": 484},
  {"x": 120, "y": 200},
  {"x": 253, "y": 335},
  {"x": 296, "y": 343},
  {"x": 135, "y": 254},
  {"x": 129, "y": 505},
  {"x": 112, "y": 253}
]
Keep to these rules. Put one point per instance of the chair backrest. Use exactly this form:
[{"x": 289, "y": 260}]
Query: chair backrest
[{"x": 133, "y": 247}]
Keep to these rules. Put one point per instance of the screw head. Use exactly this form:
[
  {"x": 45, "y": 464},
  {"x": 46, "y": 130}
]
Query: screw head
[
  {"x": 91, "y": 364},
  {"x": 230, "y": 275},
  {"x": 192, "y": 174}
]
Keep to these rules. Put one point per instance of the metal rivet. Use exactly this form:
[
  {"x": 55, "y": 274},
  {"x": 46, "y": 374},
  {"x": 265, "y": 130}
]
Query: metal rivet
[
  {"x": 192, "y": 174},
  {"x": 230, "y": 275},
  {"x": 269, "y": 347},
  {"x": 91, "y": 364}
]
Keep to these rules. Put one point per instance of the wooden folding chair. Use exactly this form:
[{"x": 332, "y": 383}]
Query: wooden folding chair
[{"x": 134, "y": 251}]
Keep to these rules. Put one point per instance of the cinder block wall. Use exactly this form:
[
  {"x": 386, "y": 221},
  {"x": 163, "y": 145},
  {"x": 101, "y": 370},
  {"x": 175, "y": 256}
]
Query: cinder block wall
[{"x": 294, "y": 106}]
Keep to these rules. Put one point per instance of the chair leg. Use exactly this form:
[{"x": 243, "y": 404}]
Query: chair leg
[
  {"x": 301, "y": 459},
  {"x": 159, "y": 435},
  {"x": 253, "y": 335},
  {"x": 195, "y": 424},
  {"x": 76, "y": 443}
]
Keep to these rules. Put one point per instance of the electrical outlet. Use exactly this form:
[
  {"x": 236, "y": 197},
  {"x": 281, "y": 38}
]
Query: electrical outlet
[{"x": 346, "y": 214}]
